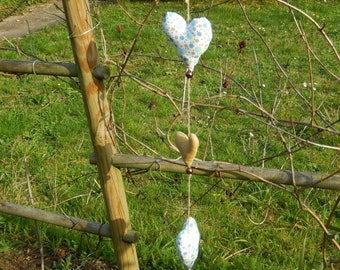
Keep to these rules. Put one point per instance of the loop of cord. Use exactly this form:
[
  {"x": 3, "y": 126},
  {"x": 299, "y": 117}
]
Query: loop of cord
[
  {"x": 84, "y": 33},
  {"x": 33, "y": 64}
]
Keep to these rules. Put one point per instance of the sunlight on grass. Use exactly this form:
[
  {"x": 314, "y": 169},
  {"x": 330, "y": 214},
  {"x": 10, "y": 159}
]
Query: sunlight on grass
[{"x": 243, "y": 225}]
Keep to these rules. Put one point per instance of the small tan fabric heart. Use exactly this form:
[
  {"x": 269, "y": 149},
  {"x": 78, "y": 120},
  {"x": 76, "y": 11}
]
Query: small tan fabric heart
[{"x": 187, "y": 146}]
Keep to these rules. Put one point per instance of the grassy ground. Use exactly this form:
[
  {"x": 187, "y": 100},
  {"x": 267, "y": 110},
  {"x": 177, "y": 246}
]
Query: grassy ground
[
  {"x": 243, "y": 225},
  {"x": 15, "y": 7}
]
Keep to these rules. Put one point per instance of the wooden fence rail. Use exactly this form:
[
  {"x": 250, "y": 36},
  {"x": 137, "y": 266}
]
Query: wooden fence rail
[
  {"x": 65, "y": 221},
  {"x": 38, "y": 68},
  {"x": 227, "y": 170},
  {"x": 49, "y": 68},
  {"x": 55, "y": 219}
]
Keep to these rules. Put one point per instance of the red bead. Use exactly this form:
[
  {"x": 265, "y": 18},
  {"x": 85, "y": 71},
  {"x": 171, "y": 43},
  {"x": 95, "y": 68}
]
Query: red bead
[
  {"x": 189, "y": 74},
  {"x": 189, "y": 171}
]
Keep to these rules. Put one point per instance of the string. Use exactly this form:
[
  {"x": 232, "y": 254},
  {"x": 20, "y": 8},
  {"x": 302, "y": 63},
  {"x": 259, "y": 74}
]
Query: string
[
  {"x": 187, "y": 86},
  {"x": 189, "y": 106},
  {"x": 188, "y": 10},
  {"x": 188, "y": 80},
  {"x": 86, "y": 32},
  {"x": 33, "y": 64},
  {"x": 189, "y": 194},
  {"x": 184, "y": 93}
]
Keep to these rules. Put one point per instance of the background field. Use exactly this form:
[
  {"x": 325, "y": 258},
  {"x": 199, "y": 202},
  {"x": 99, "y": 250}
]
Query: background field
[{"x": 254, "y": 121}]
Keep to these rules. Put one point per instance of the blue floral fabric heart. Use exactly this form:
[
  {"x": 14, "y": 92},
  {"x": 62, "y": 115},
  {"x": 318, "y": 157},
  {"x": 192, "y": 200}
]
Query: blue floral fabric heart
[
  {"x": 187, "y": 242},
  {"x": 191, "y": 40}
]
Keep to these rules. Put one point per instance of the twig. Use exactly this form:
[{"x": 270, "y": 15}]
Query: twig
[
  {"x": 235, "y": 253},
  {"x": 126, "y": 135},
  {"x": 305, "y": 40},
  {"x": 321, "y": 29},
  {"x": 325, "y": 236},
  {"x": 263, "y": 220},
  {"x": 273, "y": 55},
  {"x": 211, "y": 6},
  {"x": 128, "y": 14},
  {"x": 213, "y": 119},
  {"x": 128, "y": 54},
  {"x": 321, "y": 224},
  {"x": 303, "y": 140},
  {"x": 41, "y": 248},
  {"x": 305, "y": 101},
  {"x": 147, "y": 16}
]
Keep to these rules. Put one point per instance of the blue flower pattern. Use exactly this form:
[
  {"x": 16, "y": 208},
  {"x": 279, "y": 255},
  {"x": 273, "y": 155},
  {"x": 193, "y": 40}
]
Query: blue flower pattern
[
  {"x": 191, "y": 40},
  {"x": 187, "y": 242}
]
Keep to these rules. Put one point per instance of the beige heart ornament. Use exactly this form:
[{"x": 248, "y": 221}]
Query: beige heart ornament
[{"x": 187, "y": 146}]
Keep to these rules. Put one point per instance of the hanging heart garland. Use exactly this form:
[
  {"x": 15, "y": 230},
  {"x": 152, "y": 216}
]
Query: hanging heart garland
[
  {"x": 187, "y": 146},
  {"x": 187, "y": 242},
  {"x": 191, "y": 40}
]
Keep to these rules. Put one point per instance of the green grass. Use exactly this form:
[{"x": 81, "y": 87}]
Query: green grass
[
  {"x": 15, "y": 7},
  {"x": 43, "y": 119}
]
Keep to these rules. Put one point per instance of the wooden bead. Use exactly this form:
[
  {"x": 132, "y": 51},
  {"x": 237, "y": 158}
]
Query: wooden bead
[{"x": 189, "y": 74}]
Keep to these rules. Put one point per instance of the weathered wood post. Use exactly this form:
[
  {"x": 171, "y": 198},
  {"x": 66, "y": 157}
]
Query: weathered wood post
[{"x": 81, "y": 33}]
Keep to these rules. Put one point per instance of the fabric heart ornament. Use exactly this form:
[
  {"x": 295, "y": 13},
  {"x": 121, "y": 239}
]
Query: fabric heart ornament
[
  {"x": 187, "y": 242},
  {"x": 191, "y": 40},
  {"x": 187, "y": 146}
]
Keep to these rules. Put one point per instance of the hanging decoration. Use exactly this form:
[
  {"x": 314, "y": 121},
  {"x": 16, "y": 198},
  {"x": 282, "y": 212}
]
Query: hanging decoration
[
  {"x": 187, "y": 243},
  {"x": 187, "y": 240},
  {"x": 190, "y": 39},
  {"x": 187, "y": 146}
]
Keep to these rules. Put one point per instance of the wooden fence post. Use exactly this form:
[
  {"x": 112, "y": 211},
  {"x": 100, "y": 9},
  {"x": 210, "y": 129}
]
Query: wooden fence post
[{"x": 81, "y": 34}]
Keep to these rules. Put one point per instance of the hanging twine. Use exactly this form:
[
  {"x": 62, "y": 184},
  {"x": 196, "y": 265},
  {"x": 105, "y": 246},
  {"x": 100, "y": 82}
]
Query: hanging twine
[
  {"x": 188, "y": 9},
  {"x": 184, "y": 93},
  {"x": 187, "y": 86},
  {"x": 189, "y": 105},
  {"x": 187, "y": 240},
  {"x": 189, "y": 195}
]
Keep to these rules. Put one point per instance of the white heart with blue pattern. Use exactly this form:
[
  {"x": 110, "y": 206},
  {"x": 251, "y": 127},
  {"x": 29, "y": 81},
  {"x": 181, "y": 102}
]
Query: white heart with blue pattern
[
  {"x": 187, "y": 242},
  {"x": 191, "y": 40}
]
